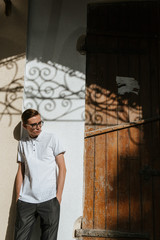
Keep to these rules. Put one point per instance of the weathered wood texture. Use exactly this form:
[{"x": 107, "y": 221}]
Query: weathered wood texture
[
  {"x": 120, "y": 194},
  {"x": 100, "y": 233}
]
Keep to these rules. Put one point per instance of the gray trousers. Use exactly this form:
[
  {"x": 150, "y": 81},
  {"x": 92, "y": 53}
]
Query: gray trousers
[{"x": 27, "y": 214}]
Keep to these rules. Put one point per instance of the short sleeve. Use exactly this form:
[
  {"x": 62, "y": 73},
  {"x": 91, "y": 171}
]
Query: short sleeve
[
  {"x": 57, "y": 146},
  {"x": 20, "y": 157}
]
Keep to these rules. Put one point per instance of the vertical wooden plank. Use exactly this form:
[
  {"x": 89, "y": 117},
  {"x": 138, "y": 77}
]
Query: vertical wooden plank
[
  {"x": 89, "y": 184},
  {"x": 111, "y": 206},
  {"x": 111, "y": 150},
  {"x": 146, "y": 136},
  {"x": 91, "y": 78},
  {"x": 111, "y": 85},
  {"x": 135, "y": 110},
  {"x": 135, "y": 183},
  {"x": 155, "y": 141},
  {"x": 89, "y": 164},
  {"x": 100, "y": 141},
  {"x": 134, "y": 141},
  {"x": 123, "y": 181},
  {"x": 101, "y": 83},
  {"x": 156, "y": 180},
  {"x": 146, "y": 184},
  {"x": 123, "y": 146},
  {"x": 99, "y": 191}
]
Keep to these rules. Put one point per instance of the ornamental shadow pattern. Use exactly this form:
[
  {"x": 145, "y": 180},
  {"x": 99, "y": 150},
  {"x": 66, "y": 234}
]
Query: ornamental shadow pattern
[
  {"x": 56, "y": 91},
  {"x": 59, "y": 94},
  {"x": 102, "y": 105},
  {"x": 12, "y": 79}
]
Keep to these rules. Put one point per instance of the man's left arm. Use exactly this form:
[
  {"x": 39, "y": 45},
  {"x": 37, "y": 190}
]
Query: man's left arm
[{"x": 61, "y": 175}]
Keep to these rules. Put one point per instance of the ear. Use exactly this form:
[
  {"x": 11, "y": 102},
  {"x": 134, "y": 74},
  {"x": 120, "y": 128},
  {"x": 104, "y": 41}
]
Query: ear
[{"x": 24, "y": 125}]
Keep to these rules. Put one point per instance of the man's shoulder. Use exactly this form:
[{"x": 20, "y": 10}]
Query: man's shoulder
[
  {"x": 50, "y": 137},
  {"x": 46, "y": 134}
]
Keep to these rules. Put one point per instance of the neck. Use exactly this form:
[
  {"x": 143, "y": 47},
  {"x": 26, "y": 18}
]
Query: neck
[{"x": 33, "y": 136}]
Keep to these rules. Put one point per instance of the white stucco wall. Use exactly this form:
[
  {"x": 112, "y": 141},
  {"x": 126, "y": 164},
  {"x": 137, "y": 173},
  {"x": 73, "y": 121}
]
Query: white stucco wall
[
  {"x": 12, "y": 66},
  {"x": 57, "y": 92},
  {"x": 11, "y": 78},
  {"x": 55, "y": 86}
]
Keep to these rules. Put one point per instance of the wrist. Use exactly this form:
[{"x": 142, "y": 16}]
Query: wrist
[
  {"x": 17, "y": 197},
  {"x": 59, "y": 197}
]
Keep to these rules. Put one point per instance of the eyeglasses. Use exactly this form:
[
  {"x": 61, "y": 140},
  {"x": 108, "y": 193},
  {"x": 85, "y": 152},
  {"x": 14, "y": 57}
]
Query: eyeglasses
[{"x": 35, "y": 125}]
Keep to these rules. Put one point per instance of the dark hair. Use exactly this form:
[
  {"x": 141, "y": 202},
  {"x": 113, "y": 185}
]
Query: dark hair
[{"x": 29, "y": 113}]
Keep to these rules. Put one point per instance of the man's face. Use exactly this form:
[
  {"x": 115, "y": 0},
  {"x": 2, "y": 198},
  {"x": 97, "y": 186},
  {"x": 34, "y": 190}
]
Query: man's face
[{"x": 33, "y": 126}]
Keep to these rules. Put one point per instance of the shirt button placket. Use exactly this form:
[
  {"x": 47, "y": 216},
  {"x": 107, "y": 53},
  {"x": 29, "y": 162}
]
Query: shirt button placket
[{"x": 34, "y": 146}]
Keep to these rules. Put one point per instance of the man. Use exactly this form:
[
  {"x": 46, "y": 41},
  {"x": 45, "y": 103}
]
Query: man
[{"x": 38, "y": 189}]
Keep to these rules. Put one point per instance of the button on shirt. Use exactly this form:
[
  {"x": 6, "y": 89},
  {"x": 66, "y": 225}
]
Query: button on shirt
[{"x": 38, "y": 156}]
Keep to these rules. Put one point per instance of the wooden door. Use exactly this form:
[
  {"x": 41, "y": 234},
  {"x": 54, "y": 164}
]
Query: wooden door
[{"x": 122, "y": 147}]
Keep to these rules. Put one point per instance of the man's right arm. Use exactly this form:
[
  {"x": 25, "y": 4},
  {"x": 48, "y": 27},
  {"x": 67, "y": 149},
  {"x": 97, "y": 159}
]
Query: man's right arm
[{"x": 19, "y": 179}]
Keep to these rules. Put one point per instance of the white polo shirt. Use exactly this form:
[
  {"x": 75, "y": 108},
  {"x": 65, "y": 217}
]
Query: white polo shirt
[{"x": 38, "y": 155}]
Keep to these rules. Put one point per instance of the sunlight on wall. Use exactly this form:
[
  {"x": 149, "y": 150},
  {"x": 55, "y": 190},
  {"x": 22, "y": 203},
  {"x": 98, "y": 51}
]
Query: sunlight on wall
[
  {"x": 58, "y": 92},
  {"x": 11, "y": 89}
]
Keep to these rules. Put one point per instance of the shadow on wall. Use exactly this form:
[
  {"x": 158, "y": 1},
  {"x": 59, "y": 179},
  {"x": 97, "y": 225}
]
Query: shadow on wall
[
  {"x": 62, "y": 44},
  {"x": 13, "y": 28},
  {"x": 11, "y": 89},
  {"x": 46, "y": 32},
  {"x": 68, "y": 52},
  {"x": 12, "y": 216},
  {"x": 12, "y": 211},
  {"x": 56, "y": 91}
]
